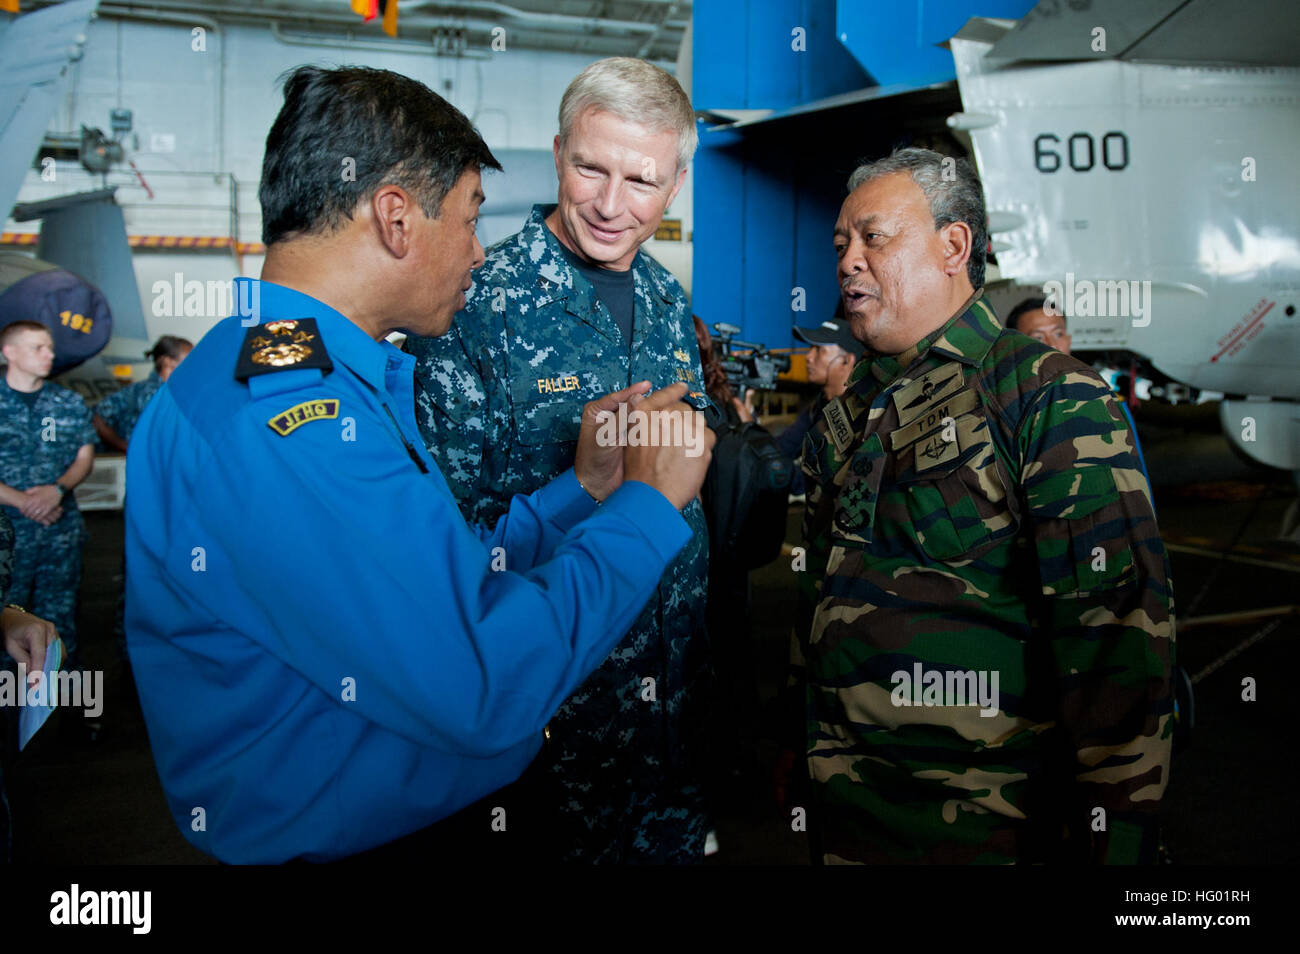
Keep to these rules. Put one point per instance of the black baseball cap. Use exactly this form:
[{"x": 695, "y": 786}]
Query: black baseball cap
[{"x": 832, "y": 331}]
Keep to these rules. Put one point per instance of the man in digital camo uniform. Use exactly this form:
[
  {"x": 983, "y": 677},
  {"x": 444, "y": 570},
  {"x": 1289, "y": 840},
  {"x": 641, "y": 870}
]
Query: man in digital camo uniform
[
  {"x": 989, "y": 664},
  {"x": 116, "y": 415},
  {"x": 46, "y": 450},
  {"x": 558, "y": 313},
  {"x": 6, "y": 572}
]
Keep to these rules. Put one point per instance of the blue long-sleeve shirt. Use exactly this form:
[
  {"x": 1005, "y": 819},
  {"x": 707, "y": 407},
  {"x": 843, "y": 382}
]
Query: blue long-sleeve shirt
[{"x": 325, "y": 656}]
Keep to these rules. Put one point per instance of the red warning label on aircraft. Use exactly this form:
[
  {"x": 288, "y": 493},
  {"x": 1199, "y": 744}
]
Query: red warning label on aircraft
[{"x": 1244, "y": 331}]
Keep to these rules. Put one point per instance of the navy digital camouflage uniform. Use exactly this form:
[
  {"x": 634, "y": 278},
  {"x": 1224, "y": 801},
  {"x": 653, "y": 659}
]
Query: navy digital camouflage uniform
[
  {"x": 499, "y": 400},
  {"x": 47, "y": 560},
  {"x": 6, "y": 556},
  {"x": 6, "y": 573},
  {"x": 121, "y": 409},
  {"x": 982, "y": 511}
]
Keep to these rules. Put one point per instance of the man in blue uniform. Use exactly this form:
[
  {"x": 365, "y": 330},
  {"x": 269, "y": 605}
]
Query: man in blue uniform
[
  {"x": 328, "y": 657},
  {"x": 46, "y": 449},
  {"x": 564, "y": 310}
]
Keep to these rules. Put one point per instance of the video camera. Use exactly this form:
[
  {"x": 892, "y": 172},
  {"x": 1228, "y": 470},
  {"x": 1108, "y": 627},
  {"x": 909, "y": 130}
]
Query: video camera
[{"x": 754, "y": 367}]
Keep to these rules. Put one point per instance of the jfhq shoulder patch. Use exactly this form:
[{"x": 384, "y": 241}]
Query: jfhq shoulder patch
[{"x": 290, "y": 419}]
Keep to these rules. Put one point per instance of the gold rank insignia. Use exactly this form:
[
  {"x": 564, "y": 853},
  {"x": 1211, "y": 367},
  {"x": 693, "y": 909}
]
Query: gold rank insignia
[
  {"x": 281, "y": 345},
  {"x": 289, "y": 420},
  {"x": 282, "y": 355},
  {"x": 682, "y": 356}
]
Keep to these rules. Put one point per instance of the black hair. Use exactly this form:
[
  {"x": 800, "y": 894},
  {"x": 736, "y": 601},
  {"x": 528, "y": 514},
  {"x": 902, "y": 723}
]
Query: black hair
[
  {"x": 1026, "y": 306},
  {"x": 168, "y": 346},
  {"x": 342, "y": 133}
]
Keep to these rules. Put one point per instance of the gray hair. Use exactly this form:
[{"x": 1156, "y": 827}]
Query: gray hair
[
  {"x": 952, "y": 189},
  {"x": 637, "y": 92}
]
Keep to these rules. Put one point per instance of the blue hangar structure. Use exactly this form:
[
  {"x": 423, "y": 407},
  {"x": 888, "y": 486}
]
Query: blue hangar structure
[{"x": 795, "y": 94}]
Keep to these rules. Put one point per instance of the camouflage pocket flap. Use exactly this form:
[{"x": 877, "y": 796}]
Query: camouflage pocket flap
[
  {"x": 1070, "y": 494},
  {"x": 933, "y": 460},
  {"x": 911, "y": 472},
  {"x": 455, "y": 391},
  {"x": 1078, "y": 557},
  {"x": 1079, "y": 532},
  {"x": 550, "y": 423},
  {"x": 957, "y": 494}
]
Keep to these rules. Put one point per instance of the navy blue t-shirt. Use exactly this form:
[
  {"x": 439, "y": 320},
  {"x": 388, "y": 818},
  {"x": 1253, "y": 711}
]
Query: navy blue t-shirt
[{"x": 615, "y": 289}]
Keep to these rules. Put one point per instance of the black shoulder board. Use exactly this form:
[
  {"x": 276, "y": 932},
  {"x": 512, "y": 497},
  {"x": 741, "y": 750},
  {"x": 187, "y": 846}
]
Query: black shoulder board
[{"x": 282, "y": 345}]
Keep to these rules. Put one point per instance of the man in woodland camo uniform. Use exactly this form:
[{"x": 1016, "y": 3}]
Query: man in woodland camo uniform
[{"x": 988, "y": 668}]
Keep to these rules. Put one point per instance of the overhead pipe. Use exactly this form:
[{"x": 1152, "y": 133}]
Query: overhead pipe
[
  {"x": 350, "y": 42},
  {"x": 659, "y": 28},
  {"x": 161, "y": 8},
  {"x": 560, "y": 21}
]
